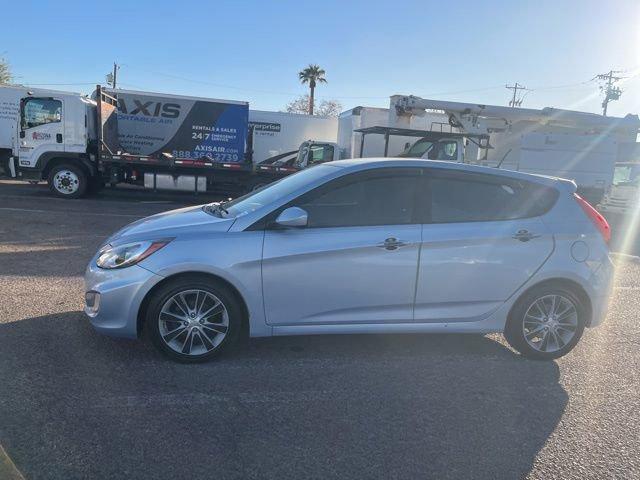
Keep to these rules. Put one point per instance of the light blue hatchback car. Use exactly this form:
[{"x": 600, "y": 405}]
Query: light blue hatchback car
[{"x": 362, "y": 246}]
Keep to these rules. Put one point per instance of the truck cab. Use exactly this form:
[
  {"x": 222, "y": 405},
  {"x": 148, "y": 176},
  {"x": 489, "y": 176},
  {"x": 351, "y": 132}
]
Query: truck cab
[
  {"x": 312, "y": 153},
  {"x": 51, "y": 130},
  {"x": 431, "y": 144}
]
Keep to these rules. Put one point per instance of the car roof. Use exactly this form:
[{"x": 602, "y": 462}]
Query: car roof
[{"x": 355, "y": 164}]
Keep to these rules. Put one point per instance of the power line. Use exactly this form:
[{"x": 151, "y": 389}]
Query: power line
[
  {"x": 47, "y": 84},
  {"x": 296, "y": 94},
  {"x": 567, "y": 85}
]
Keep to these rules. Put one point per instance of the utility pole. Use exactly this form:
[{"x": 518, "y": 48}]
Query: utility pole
[
  {"x": 115, "y": 74},
  {"x": 112, "y": 78},
  {"x": 611, "y": 92},
  {"x": 515, "y": 102}
]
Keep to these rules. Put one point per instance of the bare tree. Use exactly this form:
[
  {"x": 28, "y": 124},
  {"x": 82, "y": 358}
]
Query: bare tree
[
  {"x": 298, "y": 105},
  {"x": 312, "y": 75},
  {"x": 326, "y": 108},
  {"x": 5, "y": 72},
  {"x": 329, "y": 108}
]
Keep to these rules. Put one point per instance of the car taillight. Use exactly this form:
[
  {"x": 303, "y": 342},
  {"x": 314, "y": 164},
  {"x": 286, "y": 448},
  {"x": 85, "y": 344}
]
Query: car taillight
[{"x": 598, "y": 220}]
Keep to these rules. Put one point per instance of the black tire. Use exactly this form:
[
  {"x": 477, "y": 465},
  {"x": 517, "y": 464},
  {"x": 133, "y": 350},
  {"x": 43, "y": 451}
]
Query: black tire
[
  {"x": 76, "y": 179},
  {"x": 514, "y": 329},
  {"x": 95, "y": 185},
  {"x": 152, "y": 322}
]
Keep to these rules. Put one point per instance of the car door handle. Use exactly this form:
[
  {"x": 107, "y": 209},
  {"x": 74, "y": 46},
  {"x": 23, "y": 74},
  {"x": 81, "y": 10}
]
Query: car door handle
[
  {"x": 392, "y": 243},
  {"x": 524, "y": 235}
]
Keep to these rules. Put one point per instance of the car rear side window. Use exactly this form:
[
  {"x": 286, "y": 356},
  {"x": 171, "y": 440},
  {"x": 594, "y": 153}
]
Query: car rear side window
[{"x": 477, "y": 198}]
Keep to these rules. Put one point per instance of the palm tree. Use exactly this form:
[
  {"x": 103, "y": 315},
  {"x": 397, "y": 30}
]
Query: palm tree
[{"x": 312, "y": 75}]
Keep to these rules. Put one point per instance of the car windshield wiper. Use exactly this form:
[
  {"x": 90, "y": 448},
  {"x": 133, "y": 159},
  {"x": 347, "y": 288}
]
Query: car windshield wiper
[{"x": 216, "y": 209}]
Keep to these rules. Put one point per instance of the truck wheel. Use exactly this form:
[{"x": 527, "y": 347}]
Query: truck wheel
[{"x": 68, "y": 181}]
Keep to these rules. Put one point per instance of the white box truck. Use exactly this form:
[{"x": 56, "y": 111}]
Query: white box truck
[{"x": 275, "y": 133}]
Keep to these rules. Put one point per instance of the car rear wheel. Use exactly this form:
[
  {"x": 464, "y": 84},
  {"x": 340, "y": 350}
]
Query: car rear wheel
[
  {"x": 193, "y": 319},
  {"x": 67, "y": 181},
  {"x": 546, "y": 323}
]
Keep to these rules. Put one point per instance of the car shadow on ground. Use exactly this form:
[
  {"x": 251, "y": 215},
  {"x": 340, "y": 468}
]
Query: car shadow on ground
[{"x": 75, "y": 404}]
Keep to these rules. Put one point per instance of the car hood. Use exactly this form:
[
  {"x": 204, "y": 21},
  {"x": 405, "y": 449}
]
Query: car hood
[{"x": 171, "y": 223}]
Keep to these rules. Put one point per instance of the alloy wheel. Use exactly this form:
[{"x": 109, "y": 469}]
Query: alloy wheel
[
  {"x": 550, "y": 323},
  {"x": 193, "y": 322}
]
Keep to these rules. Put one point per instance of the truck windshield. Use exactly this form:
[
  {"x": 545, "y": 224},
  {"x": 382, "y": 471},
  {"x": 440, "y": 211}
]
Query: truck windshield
[
  {"x": 418, "y": 149},
  {"x": 270, "y": 193}
]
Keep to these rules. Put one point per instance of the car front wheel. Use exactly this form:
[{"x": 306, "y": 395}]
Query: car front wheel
[
  {"x": 193, "y": 319},
  {"x": 546, "y": 323}
]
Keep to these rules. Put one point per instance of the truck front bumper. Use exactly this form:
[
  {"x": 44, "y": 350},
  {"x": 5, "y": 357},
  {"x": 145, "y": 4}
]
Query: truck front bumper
[{"x": 24, "y": 173}]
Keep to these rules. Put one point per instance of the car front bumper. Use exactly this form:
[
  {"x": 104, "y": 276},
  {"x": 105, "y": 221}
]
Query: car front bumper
[{"x": 113, "y": 298}]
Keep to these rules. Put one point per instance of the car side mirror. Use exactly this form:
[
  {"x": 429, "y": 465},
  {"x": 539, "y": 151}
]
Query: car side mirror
[{"x": 292, "y": 217}]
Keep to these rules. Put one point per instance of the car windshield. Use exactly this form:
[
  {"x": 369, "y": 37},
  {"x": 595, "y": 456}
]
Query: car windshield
[{"x": 270, "y": 193}]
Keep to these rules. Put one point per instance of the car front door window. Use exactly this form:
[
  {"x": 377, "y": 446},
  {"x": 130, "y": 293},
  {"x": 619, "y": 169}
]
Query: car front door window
[{"x": 365, "y": 200}]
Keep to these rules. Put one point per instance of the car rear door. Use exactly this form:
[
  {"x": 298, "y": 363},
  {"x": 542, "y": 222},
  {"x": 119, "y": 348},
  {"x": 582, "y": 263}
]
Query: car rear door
[{"x": 482, "y": 239}]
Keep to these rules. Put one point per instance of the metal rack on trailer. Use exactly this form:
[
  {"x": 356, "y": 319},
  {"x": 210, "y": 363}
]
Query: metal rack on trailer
[{"x": 480, "y": 140}]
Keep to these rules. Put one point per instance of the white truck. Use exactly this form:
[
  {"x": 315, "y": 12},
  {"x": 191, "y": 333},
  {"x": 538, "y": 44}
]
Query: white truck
[
  {"x": 10, "y": 97},
  {"x": 159, "y": 141},
  {"x": 580, "y": 146},
  {"x": 623, "y": 197}
]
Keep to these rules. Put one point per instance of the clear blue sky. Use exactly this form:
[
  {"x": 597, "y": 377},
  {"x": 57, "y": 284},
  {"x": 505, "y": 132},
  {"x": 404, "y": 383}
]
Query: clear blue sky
[{"x": 252, "y": 50}]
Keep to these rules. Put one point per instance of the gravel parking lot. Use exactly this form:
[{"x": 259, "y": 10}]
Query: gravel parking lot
[{"x": 74, "y": 404}]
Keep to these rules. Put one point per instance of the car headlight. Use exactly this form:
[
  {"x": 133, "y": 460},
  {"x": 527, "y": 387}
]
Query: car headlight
[{"x": 127, "y": 254}]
